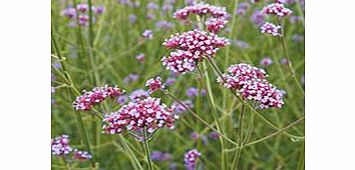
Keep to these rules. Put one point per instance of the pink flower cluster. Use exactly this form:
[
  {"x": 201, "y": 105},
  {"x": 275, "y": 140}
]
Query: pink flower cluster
[
  {"x": 190, "y": 159},
  {"x": 201, "y": 9},
  {"x": 155, "y": 84},
  {"x": 60, "y": 145},
  {"x": 251, "y": 83},
  {"x": 276, "y": 9},
  {"x": 95, "y": 96},
  {"x": 142, "y": 113},
  {"x": 81, "y": 155},
  {"x": 214, "y": 25},
  {"x": 81, "y": 11},
  {"x": 191, "y": 47},
  {"x": 269, "y": 28}
]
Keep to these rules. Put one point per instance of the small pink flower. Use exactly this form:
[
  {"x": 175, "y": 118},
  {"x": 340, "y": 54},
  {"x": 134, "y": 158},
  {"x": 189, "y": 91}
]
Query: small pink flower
[
  {"x": 137, "y": 115},
  {"x": 269, "y": 28},
  {"x": 276, "y": 9},
  {"x": 140, "y": 57},
  {"x": 155, "y": 84},
  {"x": 180, "y": 62},
  {"x": 81, "y": 155},
  {"x": 201, "y": 9},
  {"x": 266, "y": 61},
  {"x": 82, "y": 8},
  {"x": 214, "y": 25},
  {"x": 190, "y": 159},
  {"x": 148, "y": 34}
]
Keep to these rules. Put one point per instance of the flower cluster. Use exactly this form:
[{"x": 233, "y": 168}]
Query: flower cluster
[
  {"x": 60, "y": 145},
  {"x": 161, "y": 156},
  {"x": 81, "y": 13},
  {"x": 190, "y": 159},
  {"x": 179, "y": 109},
  {"x": 251, "y": 83},
  {"x": 155, "y": 84},
  {"x": 242, "y": 8},
  {"x": 81, "y": 155},
  {"x": 95, "y": 96},
  {"x": 191, "y": 47},
  {"x": 271, "y": 29},
  {"x": 137, "y": 115},
  {"x": 148, "y": 34},
  {"x": 201, "y": 9},
  {"x": 276, "y": 9},
  {"x": 214, "y": 25}
]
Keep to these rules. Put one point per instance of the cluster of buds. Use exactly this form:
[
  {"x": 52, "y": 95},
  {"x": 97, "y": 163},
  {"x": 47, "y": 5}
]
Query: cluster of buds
[
  {"x": 191, "y": 47},
  {"x": 269, "y": 28},
  {"x": 190, "y": 159},
  {"x": 96, "y": 96},
  {"x": 250, "y": 82},
  {"x": 277, "y": 9},
  {"x": 179, "y": 109},
  {"x": 214, "y": 24},
  {"x": 148, "y": 113},
  {"x": 155, "y": 84},
  {"x": 201, "y": 9},
  {"x": 80, "y": 13},
  {"x": 60, "y": 147}
]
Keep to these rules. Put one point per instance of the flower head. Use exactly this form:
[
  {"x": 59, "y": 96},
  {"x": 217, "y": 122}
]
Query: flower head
[
  {"x": 96, "y": 96},
  {"x": 214, "y": 135},
  {"x": 60, "y": 145},
  {"x": 138, "y": 115},
  {"x": 180, "y": 62},
  {"x": 190, "y": 159},
  {"x": 138, "y": 94},
  {"x": 98, "y": 10},
  {"x": 266, "y": 61},
  {"x": 82, "y": 8},
  {"x": 81, "y": 155},
  {"x": 276, "y": 9},
  {"x": 69, "y": 12},
  {"x": 140, "y": 57},
  {"x": 214, "y": 25},
  {"x": 155, "y": 84},
  {"x": 179, "y": 109},
  {"x": 257, "y": 18},
  {"x": 148, "y": 34},
  {"x": 269, "y": 28},
  {"x": 201, "y": 9}
]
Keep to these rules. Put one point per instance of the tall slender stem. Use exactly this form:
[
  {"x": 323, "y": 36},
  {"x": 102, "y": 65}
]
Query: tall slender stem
[
  {"x": 239, "y": 150},
  {"x": 147, "y": 149}
]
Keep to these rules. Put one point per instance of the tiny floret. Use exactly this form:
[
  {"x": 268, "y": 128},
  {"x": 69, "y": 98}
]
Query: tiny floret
[
  {"x": 155, "y": 84},
  {"x": 269, "y": 28},
  {"x": 276, "y": 9},
  {"x": 190, "y": 159},
  {"x": 60, "y": 145}
]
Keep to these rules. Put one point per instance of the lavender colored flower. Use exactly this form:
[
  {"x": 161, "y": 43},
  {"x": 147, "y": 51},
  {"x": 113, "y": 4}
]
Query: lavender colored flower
[
  {"x": 201, "y": 9},
  {"x": 277, "y": 9},
  {"x": 173, "y": 166},
  {"x": 295, "y": 19},
  {"x": 164, "y": 25},
  {"x": 242, "y": 8},
  {"x": 297, "y": 38},
  {"x": 214, "y": 25},
  {"x": 257, "y": 18},
  {"x": 52, "y": 90},
  {"x": 57, "y": 65},
  {"x": 194, "y": 135},
  {"x": 170, "y": 81},
  {"x": 132, "y": 18},
  {"x": 214, "y": 135},
  {"x": 69, "y": 12},
  {"x": 284, "y": 61},
  {"x": 82, "y": 8},
  {"x": 53, "y": 77},
  {"x": 60, "y": 145},
  {"x": 179, "y": 109},
  {"x": 240, "y": 44},
  {"x": 123, "y": 99},
  {"x": 148, "y": 34},
  {"x": 155, "y": 84},
  {"x": 139, "y": 93},
  {"x": 266, "y": 61},
  {"x": 99, "y": 9},
  {"x": 84, "y": 20},
  {"x": 140, "y": 58},
  {"x": 130, "y": 78},
  {"x": 190, "y": 2},
  {"x": 156, "y": 155},
  {"x": 152, "y": 6},
  {"x": 190, "y": 159},
  {"x": 167, "y": 7},
  {"x": 194, "y": 92},
  {"x": 150, "y": 16}
]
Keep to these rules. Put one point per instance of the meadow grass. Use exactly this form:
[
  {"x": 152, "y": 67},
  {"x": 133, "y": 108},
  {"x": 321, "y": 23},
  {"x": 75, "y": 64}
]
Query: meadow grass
[{"x": 104, "y": 53}]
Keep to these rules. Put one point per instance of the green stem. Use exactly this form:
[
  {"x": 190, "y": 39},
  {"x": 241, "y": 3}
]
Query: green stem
[
  {"x": 239, "y": 150},
  {"x": 147, "y": 149}
]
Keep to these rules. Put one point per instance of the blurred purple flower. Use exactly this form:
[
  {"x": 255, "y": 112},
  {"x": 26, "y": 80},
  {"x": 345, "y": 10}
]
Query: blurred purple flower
[
  {"x": 284, "y": 61},
  {"x": 160, "y": 156},
  {"x": 53, "y": 77},
  {"x": 297, "y": 38},
  {"x": 190, "y": 2},
  {"x": 295, "y": 19},
  {"x": 257, "y": 18},
  {"x": 138, "y": 93},
  {"x": 99, "y": 9},
  {"x": 178, "y": 109},
  {"x": 148, "y": 34},
  {"x": 52, "y": 90},
  {"x": 242, "y": 8},
  {"x": 240, "y": 44},
  {"x": 193, "y": 92},
  {"x": 123, "y": 99},
  {"x": 57, "y": 65},
  {"x": 130, "y": 78},
  {"x": 150, "y": 16},
  {"x": 132, "y": 18},
  {"x": 170, "y": 81},
  {"x": 173, "y": 166},
  {"x": 69, "y": 12},
  {"x": 82, "y": 8},
  {"x": 266, "y": 61},
  {"x": 214, "y": 135},
  {"x": 140, "y": 57},
  {"x": 167, "y": 7},
  {"x": 164, "y": 25},
  {"x": 152, "y": 6}
]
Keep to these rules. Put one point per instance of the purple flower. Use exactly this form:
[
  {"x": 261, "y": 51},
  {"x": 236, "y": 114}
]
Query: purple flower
[
  {"x": 132, "y": 18},
  {"x": 190, "y": 2},
  {"x": 240, "y": 44},
  {"x": 152, "y": 6},
  {"x": 52, "y": 90},
  {"x": 193, "y": 92},
  {"x": 150, "y": 16},
  {"x": 82, "y": 7},
  {"x": 266, "y": 61},
  {"x": 295, "y": 19},
  {"x": 179, "y": 109},
  {"x": 257, "y": 18},
  {"x": 242, "y": 8},
  {"x": 130, "y": 78},
  {"x": 60, "y": 145},
  {"x": 297, "y": 38},
  {"x": 170, "y": 81},
  {"x": 194, "y": 135},
  {"x": 122, "y": 99},
  {"x": 164, "y": 25},
  {"x": 284, "y": 61},
  {"x": 69, "y": 12},
  {"x": 57, "y": 65},
  {"x": 156, "y": 155},
  {"x": 53, "y": 77},
  {"x": 214, "y": 135},
  {"x": 81, "y": 155},
  {"x": 167, "y": 7},
  {"x": 190, "y": 159},
  {"x": 173, "y": 166},
  {"x": 139, "y": 93},
  {"x": 99, "y": 9},
  {"x": 148, "y": 34},
  {"x": 140, "y": 57}
]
